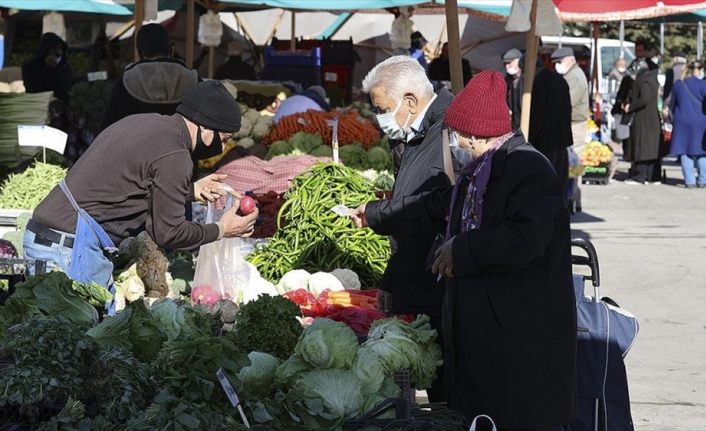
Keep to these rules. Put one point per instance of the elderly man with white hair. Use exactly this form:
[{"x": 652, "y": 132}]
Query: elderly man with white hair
[
  {"x": 565, "y": 64},
  {"x": 411, "y": 115}
]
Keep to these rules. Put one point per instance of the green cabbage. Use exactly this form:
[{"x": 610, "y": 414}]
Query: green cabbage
[
  {"x": 353, "y": 156},
  {"x": 258, "y": 377},
  {"x": 379, "y": 159},
  {"x": 369, "y": 369},
  {"x": 134, "y": 329},
  {"x": 278, "y": 148},
  {"x": 323, "y": 399},
  {"x": 403, "y": 346},
  {"x": 388, "y": 389},
  {"x": 305, "y": 142},
  {"x": 290, "y": 370},
  {"x": 177, "y": 319},
  {"x": 328, "y": 344}
]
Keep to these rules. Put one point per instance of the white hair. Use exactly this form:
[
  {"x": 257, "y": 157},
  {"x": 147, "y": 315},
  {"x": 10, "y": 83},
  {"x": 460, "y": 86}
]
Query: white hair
[{"x": 399, "y": 75}]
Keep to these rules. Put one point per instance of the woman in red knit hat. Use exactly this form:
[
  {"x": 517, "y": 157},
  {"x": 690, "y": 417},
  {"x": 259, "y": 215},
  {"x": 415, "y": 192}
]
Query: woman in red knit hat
[{"x": 509, "y": 309}]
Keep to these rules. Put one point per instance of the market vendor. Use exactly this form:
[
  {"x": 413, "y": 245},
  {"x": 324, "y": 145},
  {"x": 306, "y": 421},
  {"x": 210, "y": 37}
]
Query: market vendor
[
  {"x": 156, "y": 83},
  {"x": 313, "y": 98},
  {"x": 48, "y": 70},
  {"x": 509, "y": 313},
  {"x": 136, "y": 176},
  {"x": 411, "y": 115}
]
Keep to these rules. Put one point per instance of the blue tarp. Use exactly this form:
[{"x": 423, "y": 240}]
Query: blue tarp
[{"x": 89, "y": 6}]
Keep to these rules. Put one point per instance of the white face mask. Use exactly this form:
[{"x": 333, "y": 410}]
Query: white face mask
[
  {"x": 560, "y": 68},
  {"x": 699, "y": 75},
  {"x": 389, "y": 125},
  {"x": 462, "y": 155},
  {"x": 512, "y": 71},
  {"x": 621, "y": 69}
]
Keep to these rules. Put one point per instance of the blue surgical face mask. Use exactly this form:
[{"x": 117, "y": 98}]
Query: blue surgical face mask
[
  {"x": 462, "y": 155},
  {"x": 389, "y": 125}
]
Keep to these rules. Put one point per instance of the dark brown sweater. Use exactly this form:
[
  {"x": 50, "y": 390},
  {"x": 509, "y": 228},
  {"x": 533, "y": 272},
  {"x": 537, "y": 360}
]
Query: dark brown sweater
[{"x": 135, "y": 176}]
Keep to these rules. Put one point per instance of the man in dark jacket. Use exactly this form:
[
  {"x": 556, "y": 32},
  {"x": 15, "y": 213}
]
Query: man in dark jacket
[
  {"x": 412, "y": 115},
  {"x": 135, "y": 177},
  {"x": 509, "y": 313},
  {"x": 515, "y": 80},
  {"x": 156, "y": 83},
  {"x": 235, "y": 68},
  {"x": 439, "y": 69},
  {"x": 550, "y": 121},
  {"x": 48, "y": 70}
]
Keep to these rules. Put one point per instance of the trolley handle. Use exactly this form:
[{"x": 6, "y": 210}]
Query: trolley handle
[{"x": 590, "y": 260}]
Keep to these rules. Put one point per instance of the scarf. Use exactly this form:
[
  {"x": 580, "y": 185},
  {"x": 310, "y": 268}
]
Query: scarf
[{"x": 478, "y": 174}]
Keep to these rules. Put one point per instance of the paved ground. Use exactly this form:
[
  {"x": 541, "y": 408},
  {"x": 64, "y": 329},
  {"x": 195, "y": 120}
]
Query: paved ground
[{"x": 651, "y": 244}]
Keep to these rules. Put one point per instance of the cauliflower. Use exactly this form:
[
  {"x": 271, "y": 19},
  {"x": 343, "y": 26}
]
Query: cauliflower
[
  {"x": 252, "y": 115},
  {"x": 261, "y": 129},
  {"x": 320, "y": 281},
  {"x": 293, "y": 280},
  {"x": 246, "y": 127},
  {"x": 128, "y": 286},
  {"x": 151, "y": 266},
  {"x": 246, "y": 142},
  {"x": 348, "y": 278},
  {"x": 256, "y": 287}
]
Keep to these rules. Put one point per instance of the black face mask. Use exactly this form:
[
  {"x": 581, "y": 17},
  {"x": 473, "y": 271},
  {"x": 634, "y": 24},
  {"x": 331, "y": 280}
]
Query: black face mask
[{"x": 203, "y": 151}]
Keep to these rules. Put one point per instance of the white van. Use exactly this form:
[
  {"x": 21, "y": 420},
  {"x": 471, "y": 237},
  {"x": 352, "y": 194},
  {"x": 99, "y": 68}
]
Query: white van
[{"x": 609, "y": 52}]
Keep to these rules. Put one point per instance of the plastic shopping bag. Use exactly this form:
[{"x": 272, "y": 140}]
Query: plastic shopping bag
[{"x": 221, "y": 269}]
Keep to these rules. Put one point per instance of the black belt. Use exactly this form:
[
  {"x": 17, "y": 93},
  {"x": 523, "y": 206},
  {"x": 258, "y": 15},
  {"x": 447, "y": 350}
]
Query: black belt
[{"x": 45, "y": 236}]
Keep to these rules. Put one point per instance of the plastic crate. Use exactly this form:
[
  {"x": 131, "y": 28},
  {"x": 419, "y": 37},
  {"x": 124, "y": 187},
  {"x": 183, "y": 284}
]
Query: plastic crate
[
  {"x": 597, "y": 174},
  {"x": 403, "y": 379},
  {"x": 310, "y": 57}
]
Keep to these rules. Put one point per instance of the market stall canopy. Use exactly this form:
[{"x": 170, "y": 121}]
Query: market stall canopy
[
  {"x": 109, "y": 7},
  {"x": 611, "y": 10},
  {"x": 496, "y": 7}
]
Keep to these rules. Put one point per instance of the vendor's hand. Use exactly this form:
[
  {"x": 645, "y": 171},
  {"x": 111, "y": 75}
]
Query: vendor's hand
[
  {"x": 210, "y": 188},
  {"x": 359, "y": 218},
  {"x": 626, "y": 108},
  {"x": 444, "y": 262},
  {"x": 238, "y": 226}
]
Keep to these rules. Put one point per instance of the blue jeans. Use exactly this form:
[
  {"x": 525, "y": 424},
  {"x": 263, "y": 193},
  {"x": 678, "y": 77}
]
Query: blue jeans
[
  {"x": 96, "y": 267},
  {"x": 56, "y": 256},
  {"x": 687, "y": 168}
]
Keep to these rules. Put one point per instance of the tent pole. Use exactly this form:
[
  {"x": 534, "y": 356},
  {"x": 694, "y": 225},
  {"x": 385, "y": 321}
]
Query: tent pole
[
  {"x": 139, "y": 18},
  {"x": 622, "y": 39},
  {"x": 530, "y": 68},
  {"x": 211, "y": 61},
  {"x": 293, "y": 42},
  {"x": 190, "y": 12},
  {"x": 700, "y": 40},
  {"x": 453, "y": 34},
  {"x": 596, "y": 53},
  {"x": 661, "y": 39}
]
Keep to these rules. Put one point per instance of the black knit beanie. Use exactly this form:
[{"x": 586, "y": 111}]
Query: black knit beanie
[
  {"x": 210, "y": 105},
  {"x": 153, "y": 41}
]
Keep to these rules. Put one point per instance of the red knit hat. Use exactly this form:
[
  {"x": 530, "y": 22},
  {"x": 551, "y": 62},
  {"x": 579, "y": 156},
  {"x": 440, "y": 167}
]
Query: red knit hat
[{"x": 480, "y": 109}]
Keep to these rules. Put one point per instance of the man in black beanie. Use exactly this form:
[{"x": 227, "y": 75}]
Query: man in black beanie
[
  {"x": 136, "y": 176},
  {"x": 156, "y": 83}
]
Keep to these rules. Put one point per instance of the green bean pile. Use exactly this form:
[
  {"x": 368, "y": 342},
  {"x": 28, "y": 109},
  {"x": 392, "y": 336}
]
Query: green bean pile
[
  {"x": 27, "y": 189},
  {"x": 315, "y": 238}
]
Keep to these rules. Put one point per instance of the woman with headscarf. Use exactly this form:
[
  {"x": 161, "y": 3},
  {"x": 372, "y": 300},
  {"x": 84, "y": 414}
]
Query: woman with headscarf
[
  {"x": 48, "y": 70},
  {"x": 645, "y": 139},
  {"x": 689, "y": 132},
  {"x": 510, "y": 349}
]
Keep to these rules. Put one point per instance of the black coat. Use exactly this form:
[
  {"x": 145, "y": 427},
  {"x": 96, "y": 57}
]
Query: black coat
[
  {"x": 38, "y": 77},
  {"x": 149, "y": 86},
  {"x": 646, "y": 128},
  {"x": 509, "y": 313},
  {"x": 514, "y": 98},
  {"x": 550, "y": 120},
  {"x": 419, "y": 169}
]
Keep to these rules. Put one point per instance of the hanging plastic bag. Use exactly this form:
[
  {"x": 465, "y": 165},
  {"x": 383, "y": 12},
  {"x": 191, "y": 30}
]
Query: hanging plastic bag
[
  {"x": 210, "y": 29},
  {"x": 53, "y": 22},
  {"x": 221, "y": 269},
  {"x": 401, "y": 32}
]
